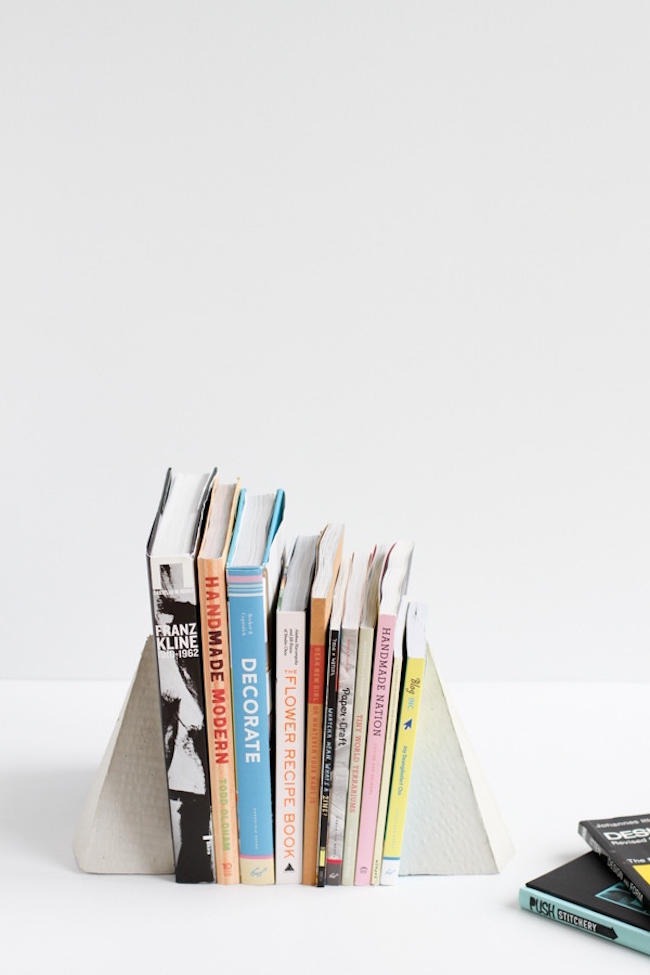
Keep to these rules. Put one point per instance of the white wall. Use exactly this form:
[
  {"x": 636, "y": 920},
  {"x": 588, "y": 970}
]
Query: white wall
[{"x": 391, "y": 256}]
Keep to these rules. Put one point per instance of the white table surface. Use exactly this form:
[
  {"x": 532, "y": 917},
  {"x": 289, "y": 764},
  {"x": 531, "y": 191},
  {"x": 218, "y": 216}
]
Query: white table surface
[{"x": 553, "y": 753}]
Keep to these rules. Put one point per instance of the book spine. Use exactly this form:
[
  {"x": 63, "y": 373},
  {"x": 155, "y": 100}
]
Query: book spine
[
  {"x": 376, "y": 736},
  {"x": 590, "y": 840},
  {"x": 314, "y": 740},
  {"x": 616, "y": 867},
  {"x": 328, "y": 751},
  {"x": 176, "y": 627},
  {"x": 291, "y": 639},
  {"x": 218, "y": 695},
  {"x": 402, "y": 767},
  {"x": 247, "y": 609},
  {"x": 386, "y": 770},
  {"x": 564, "y": 912},
  {"x": 357, "y": 752},
  {"x": 341, "y": 768}
]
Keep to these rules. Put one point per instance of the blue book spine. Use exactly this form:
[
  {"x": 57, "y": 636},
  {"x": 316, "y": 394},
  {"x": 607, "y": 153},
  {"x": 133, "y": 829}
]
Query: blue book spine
[
  {"x": 246, "y": 589},
  {"x": 592, "y": 922}
]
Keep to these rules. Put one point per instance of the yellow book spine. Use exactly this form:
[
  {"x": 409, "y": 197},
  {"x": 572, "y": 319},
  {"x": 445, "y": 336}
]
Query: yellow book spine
[{"x": 403, "y": 763}]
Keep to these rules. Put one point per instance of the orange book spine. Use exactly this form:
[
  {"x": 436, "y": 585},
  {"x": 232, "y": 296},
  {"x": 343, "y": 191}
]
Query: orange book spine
[
  {"x": 320, "y": 610},
  {"x": 219, "y": 720}
]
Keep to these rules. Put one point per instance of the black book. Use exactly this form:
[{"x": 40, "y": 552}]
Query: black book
[
  {"x": 584, "y": 894},
  {"x": 624, "y": 845},
  {"x": 171, "y": 561},
  {"x": 329, "y": 714}
]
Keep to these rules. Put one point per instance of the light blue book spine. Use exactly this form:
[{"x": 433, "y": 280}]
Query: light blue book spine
[
  {"x": 251, "y": 713},
  {"x": 247, "y": 589},
  {"x": 601, "y": 925}
]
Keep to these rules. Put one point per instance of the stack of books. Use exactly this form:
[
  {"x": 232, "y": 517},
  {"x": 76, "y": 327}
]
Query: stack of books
[
  {"x": 290, "y": 678},
  {"x": 605, "y": 892}
]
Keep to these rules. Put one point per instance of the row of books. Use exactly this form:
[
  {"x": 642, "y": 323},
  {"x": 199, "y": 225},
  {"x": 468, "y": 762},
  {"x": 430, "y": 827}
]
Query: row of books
[
  {"x": 605, "y": 892},
  {"x": 290, "y": 678}
]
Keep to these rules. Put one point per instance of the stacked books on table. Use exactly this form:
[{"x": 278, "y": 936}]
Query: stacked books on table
[
  {"x": 606, "y": 891},
  {"x": 290, "y": 679}
]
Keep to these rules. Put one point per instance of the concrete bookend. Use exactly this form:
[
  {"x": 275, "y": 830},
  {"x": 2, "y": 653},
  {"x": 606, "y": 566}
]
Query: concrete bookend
[
  {"x": 125, "y": 825},
  {"x": 453, "y": 825}
]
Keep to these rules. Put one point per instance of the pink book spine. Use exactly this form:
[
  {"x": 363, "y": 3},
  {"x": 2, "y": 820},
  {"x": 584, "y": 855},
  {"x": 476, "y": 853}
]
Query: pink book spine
[{"x": 376, "y": 736}]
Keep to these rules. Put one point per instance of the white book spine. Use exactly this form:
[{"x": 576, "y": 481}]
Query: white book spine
[
  {"x": 357, "y": 752},
  {"x": 291, "y": 643}
]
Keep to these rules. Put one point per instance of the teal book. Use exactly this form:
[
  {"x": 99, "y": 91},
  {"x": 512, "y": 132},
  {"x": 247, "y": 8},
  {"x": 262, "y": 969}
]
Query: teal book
[
  {"x": 584, "y": 894},
  {"x": 253, "y": 572}
]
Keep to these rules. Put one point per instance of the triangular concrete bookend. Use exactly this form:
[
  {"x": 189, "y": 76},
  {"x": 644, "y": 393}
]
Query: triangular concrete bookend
[
  {"x": 125, "y": 825},
  {"x": 453, "y": 825}
]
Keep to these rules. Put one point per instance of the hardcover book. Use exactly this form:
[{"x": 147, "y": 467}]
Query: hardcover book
[
  {"x": 360, "y": 715},
  {"x": 624, "y": 844},
  {"x": 393, "y": 587},
  {"x": 584, "y": 894},
  {"x": 290, "y": 697},
  {"x": 253, "y": 570},
  {"x": 331, "y": 681},
  {"x": 389, "y": 744},
  {"x": 211, "y": 568},
  {"x": 344, "y": 714},
  {"x": 171, "y": 562},
  {"x": 414, "y": 669},
  {"x": 328, "y": 560}
]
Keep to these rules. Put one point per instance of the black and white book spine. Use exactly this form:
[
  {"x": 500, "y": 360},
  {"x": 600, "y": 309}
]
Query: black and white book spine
[
  {"x": 175, "y": 614},
  {"x": 328, "y": 750},
  {"x": 623, "y": 844},
  {"x": 341, "y": 763}
]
